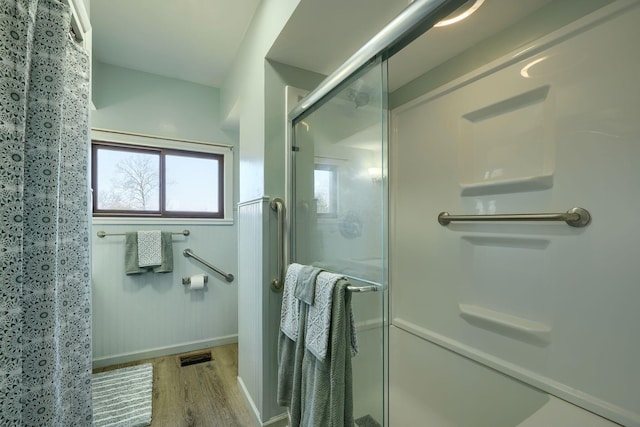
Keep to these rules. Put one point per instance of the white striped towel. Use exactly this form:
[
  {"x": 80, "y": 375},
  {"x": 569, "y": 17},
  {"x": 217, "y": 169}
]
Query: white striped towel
[{"x": 149, "y": 248}]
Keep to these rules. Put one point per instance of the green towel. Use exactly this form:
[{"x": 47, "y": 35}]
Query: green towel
[
  {"x": 166, "y": 266},
  {"x": 319, "y": 394},
  {"x": 131, "y": 255},
  {"x": 306, "y": 286}
]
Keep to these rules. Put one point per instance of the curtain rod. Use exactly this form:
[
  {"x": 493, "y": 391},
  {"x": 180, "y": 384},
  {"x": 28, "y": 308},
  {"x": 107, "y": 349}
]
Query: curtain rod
[
  {"x": 142, "y": 135},
  {"x": 412, "y": 22}
]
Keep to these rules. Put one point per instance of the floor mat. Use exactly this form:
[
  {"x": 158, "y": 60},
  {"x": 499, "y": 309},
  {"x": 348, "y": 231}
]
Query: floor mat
[{"x": 122, "y": 397}]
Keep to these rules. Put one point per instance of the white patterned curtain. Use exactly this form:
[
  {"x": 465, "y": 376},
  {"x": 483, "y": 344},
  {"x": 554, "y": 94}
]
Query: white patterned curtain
[{"x": 45, "y": 306}]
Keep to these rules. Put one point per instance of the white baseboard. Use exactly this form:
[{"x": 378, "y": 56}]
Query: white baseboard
[
  {"x": 277, "y": 421},
  {"x": 249, "y": 401},
  {"x": 281, "y": 420},
  {"x": 117, "y": 359}
]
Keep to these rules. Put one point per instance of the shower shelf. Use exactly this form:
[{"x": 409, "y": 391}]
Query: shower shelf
[{"x": 499, "y": 320}]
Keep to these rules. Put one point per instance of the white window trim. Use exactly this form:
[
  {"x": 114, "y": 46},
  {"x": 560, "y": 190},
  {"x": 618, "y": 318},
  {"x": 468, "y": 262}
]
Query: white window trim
[{"x": 179, "y": 144}]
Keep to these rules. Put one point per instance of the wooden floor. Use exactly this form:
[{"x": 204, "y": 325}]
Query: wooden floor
[{"x": 204, "y": 394}]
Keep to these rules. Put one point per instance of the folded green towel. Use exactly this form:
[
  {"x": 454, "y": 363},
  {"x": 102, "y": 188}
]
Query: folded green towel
[
  {"x": 166, "y": 265},
  {"x": 131, "y": 255}
]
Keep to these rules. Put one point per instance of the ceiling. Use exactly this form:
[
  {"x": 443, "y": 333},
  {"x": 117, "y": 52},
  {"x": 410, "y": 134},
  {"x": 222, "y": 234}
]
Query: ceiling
[
  {"x": 192, "y": 40},
  {"x": 197, "y": 40},
  {"x": 323, "y": 34},
  {"x": 307, "y": 43}
]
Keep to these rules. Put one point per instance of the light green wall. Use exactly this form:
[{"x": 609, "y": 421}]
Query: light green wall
[
  {"x": 277, "y": 77},
  {"x": 243, "y": 92},
  {"x": 134, "y": 101},
  {"x": 138, "y": 102},
  {"x": 547, "y": 19}
]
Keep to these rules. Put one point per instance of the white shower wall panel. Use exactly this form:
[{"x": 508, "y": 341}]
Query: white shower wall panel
[
  {"x": 433, "y": 386},
  {"x": 551, "y": 305}
]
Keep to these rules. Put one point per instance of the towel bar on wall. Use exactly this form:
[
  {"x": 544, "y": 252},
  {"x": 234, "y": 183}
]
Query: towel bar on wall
[
  {"x": 102, "y": 233},
  {"x": 575, "y": 217},
  {"x": 189, "y": 253}
]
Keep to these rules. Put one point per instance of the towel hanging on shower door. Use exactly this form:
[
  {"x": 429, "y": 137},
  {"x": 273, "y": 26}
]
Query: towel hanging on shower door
[{"x": 318, "y": 393}]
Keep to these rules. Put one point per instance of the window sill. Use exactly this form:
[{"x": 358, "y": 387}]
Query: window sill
[{"x": 168, "y": 221}]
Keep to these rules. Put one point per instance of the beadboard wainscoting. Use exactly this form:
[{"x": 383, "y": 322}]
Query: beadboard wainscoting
[
  {"x": 258, "y": 311},
  {"x": 153, "y": 314}
]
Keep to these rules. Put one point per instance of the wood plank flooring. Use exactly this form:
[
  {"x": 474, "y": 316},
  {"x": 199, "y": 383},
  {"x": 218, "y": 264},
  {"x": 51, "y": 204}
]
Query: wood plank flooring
[{"x": 204, "y": 394}]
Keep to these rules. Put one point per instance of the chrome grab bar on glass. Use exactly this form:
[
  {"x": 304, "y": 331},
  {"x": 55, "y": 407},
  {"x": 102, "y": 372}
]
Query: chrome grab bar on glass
[
  {"x": 278, "y": 205},
  {"x": 368, "y": 288},
  {"x": 575, "y": 217},
  {"x": 189, "y": 253}
]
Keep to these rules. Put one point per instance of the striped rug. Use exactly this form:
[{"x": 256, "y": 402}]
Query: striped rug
[{"x": 122, "y": 397}]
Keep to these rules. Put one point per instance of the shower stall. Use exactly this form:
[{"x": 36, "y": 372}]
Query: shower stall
[
  {"x": 494, "y": 318},
  {"x": 339, "y": 213}
]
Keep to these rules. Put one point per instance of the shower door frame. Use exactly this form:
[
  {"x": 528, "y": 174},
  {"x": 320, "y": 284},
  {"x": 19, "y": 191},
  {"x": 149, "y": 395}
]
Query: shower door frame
[{"x": 379, "y": 287}]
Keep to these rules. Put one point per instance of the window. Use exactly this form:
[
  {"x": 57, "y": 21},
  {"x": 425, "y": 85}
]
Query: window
[
  {"x": 325, "y": 186},
  {"x": 130, "y": 181}
]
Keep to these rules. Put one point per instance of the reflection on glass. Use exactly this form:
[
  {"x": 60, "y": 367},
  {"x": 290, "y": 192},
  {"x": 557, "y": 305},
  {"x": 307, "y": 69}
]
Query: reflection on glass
[
  {"x": 339, "y": 169},
  {"x": 192, "y": 184},
  {"x": 324, "y": 185}
]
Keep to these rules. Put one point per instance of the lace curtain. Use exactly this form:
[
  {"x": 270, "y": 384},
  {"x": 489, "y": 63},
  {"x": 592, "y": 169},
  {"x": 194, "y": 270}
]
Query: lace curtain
[{"x": 45, "y": 306}]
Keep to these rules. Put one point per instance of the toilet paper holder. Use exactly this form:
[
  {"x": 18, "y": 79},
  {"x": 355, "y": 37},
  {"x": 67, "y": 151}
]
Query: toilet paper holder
[{"x": 187, "y": 280}]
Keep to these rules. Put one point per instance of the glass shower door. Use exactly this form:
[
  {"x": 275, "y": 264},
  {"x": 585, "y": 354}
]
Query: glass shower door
[{"x": 339, "y": 214}]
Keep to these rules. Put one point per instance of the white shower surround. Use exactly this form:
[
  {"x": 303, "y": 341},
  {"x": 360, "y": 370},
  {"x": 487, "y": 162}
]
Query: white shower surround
[{"x": 418, "y": 324}]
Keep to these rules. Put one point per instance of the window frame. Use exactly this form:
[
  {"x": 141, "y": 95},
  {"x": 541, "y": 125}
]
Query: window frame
[
  {"x": 95, "y": 146},
  {"x": 147, "y": 144},
  {"x": 194, "y": 155}
]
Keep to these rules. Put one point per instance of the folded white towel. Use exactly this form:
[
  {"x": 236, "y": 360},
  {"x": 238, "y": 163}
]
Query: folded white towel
[
  {"x": 149, "y": 248},
  {"x": 290, "y": 312}
]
